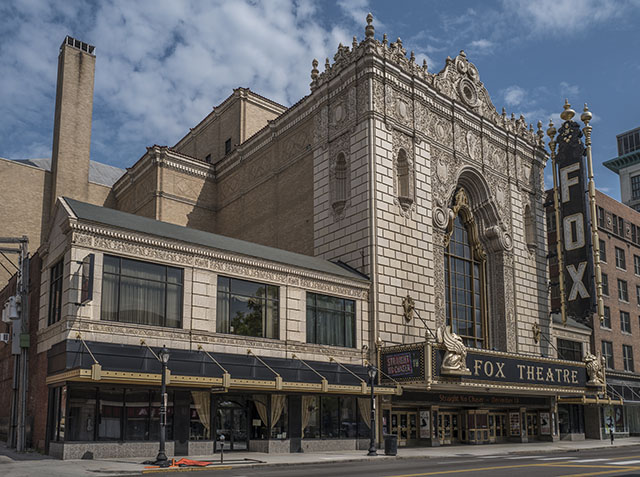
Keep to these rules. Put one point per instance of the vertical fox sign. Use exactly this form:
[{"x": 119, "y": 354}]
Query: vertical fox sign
[{"x": 575, "y": 241}]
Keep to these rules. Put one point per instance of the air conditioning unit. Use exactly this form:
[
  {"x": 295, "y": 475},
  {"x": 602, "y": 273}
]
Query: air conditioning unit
[
  {"x": 4, "y": 337},
  {"x": 14, "y": 307}
]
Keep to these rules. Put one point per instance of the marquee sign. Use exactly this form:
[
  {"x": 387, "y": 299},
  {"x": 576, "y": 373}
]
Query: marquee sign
[
  {"x": 510, "y": 369},
  {"x": 404, "y": 363},
  {"x": 574, "y": 222}
]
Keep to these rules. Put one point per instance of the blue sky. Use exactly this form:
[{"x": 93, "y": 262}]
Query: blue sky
[{"x": 162, "y": 65}]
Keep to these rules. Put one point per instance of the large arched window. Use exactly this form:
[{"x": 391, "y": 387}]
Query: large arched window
[{"x": 465, "y": 279}]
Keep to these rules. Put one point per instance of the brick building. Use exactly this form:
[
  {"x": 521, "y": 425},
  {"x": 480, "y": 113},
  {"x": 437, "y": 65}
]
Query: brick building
[
  {"x": 390, "y": 216},
  {"x": 616, "y": 337}
]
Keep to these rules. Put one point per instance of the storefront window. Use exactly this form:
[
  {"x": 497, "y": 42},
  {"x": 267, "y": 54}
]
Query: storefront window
[
  {"x": 272, "y": 413},
  {"x": 57, "y": 413},
  {"x": 137, "y": 414},
  {"x": 82, "y": 414},
  {"x": 154, "y": 425},
  {"x": 332, "y": 417},
  {"x": 200, "y": 415},
  {"x": 110, "y": 414}
]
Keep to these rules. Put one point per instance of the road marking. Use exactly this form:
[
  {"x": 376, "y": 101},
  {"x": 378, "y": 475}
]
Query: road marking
[
  {"x": 490, "y": 456},
  {"x": 525, "y": 457},
  {"x": 477, "y": 469},
  {"x": 626, "y": 462},
  {"x": 556, "y": 458},
  {"x": 584, "y": 461}
]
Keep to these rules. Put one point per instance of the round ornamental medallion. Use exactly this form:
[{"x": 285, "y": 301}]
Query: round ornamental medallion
[
  {"x": 338, "y": 113},
  {"x": 461, "y": 65},
  {"x": 472, "y": 71},
  {"x": 440, "y": 218},
  {"x": 402, "y": 109},
  {"x": 468, "y": 92}
]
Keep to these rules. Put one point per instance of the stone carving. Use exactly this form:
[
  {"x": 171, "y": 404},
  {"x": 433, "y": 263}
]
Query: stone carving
[
  {"x": 321, "y": 122},
  {"x": 405, "y": 143},
  {"x": 455, "y": 356},
  {"x": 474, "y": 146},
  {"x": 595, "y": 370},
  {"x": 408, "y": 307}
]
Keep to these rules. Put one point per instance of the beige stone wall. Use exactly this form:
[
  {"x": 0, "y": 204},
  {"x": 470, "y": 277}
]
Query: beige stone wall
[
  {"x": 25, "y": 205},
  {"x": 201, "y": 271},
  {"x": 101, "y": 195},
  {"x": 139, "y": 196}
]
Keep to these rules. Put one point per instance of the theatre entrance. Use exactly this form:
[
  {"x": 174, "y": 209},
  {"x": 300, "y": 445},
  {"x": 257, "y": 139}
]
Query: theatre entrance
[
  {"x": 404, "y": 424},
  {"x": 447, "y": 427}
]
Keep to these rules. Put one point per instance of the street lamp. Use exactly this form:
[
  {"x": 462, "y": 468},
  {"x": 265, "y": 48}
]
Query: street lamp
[
  {"x": 372, "y": 371},
  {"x": 163, "y": 357}
]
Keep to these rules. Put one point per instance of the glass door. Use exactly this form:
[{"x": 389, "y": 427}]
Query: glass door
[
  {"x": 231, "y": 421},
  {"x": 532, "y": 424}
]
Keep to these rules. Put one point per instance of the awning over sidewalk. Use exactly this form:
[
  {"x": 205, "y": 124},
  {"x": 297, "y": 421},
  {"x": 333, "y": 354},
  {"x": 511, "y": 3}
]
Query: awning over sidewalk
[{"x": 126, "y": 364}]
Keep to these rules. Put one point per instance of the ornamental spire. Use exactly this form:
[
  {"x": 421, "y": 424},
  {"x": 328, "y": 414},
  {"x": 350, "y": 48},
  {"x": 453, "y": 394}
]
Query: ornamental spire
[{"x": 369, "y": 31}]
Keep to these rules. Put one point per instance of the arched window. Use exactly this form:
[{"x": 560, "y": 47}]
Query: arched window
[
  {"x": 465, "y": 279},
  {"x": 340, "y": 176},
  {"x": 529, "y": 228},
  {"x": 403, "y": 174}
]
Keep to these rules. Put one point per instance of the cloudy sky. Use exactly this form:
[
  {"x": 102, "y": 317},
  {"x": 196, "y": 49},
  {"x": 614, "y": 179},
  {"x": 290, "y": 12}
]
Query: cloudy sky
[{"x": 162, "y": 65}]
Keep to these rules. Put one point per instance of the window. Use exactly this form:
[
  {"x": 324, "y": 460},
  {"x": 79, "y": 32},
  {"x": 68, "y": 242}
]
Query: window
[
  {"x": 570, "y": 350},
  {"x": 620, "y": 260},
  {"x": 331, "y": 320},
  {"x": 603, "y": 250},
  {"x": 404, "y": 180},
  {"x": 638, "y": 294},
  {"x": 529, "y": 228},
  {"x": 601, "y": 217},
  {"x": 623, "y": 293},
  {"x": 635, "y": 233},
  {"x": 55, "y": 292},
  {"x": 464, "y": 282},
  {"x": 142, "y": 293},
  {"x": 227, "y": 146},
  {"x": 606, "y": 320},
  {"x": 340, "y": 179},
  {"x": 551, "y": 221},
  {"x": 636, "y": 264},
  {"x": 334, "y": 417},
  {"x": 607, "y": 353},
  {"x": 248, "y": 308},
  {"x": 625, "y": 322},
  {"x": 635, "y": 187},
  {"x": 605, "y": 284},
  {"x": 627, "y": 357}
]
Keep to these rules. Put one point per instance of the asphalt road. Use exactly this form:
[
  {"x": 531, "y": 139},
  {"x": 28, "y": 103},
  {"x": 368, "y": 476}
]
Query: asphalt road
[{"x": 610, "y": 462}]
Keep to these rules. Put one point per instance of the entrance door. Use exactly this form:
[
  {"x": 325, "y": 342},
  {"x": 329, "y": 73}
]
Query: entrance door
[
  {"x": 404, "y": 424},
  {"x": 497, "y": 427},
  {"x": 532, "y": 424},
  {"x": 447, "y": 427},
  {"x": 231, "y": 421}
]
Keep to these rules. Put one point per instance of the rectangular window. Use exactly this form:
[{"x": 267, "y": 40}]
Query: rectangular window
[
  {"x": 638, "y": 294},
  {"x": 635, "y": 187},
  {"x": 227, "y": 146},
  {"x": 55, "y": 292},
  {"x": 605, "y": 284},
  {"x": 625, "y": 322},
  {"x": 248, "y": 308},
  {"x": 634, "y": 233},
  {"x": 606, "y": 321},
  {"x": 570, "y": 350},
  {"x": 142, "y": 293},
  {"x": 627, "y": 356},
  {"x": 623, "y": 293},
  {"x": 551, "y": 221},
  {"x": 603, "y": 250},
  {"x": 607, "y": 353},
  {"x": 636, "y": 264},
  {"x": 620, "y": 260},
  {"x": 601, "y": 217},
  {"x": 615, "y": 224},
  {"x": 334, "y": 417},
  {"x": 331, "y": 320}
]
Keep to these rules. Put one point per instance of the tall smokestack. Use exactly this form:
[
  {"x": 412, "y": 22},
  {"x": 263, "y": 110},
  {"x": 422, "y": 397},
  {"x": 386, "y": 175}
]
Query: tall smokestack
[{"x": 72, "y": 124}]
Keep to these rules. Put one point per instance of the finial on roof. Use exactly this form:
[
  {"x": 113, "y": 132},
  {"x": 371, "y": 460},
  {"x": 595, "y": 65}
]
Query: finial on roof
[
  {"x": 327, "y": 65},
  {"x": 424, "y": 65},
  {"x": 354, "y": 43},
  {"x": 531, "y": 128},
  {"x": 314, "y": 70},
  {"x": 413, "y": 57},
  {"x": 540, "y": 131},
  {"x": 513, "y": 116},
  {"x": 504, "y": 112},
  {"x": 568, "y": 113},
  {"x": 399, "y": 42},
  {"x": 551, "y": 132},
  {"x": 369, "y": 31},
  {"x": 586, "y": 115},
  {"x": 385, "y": 40},
  {"x": 463, "y": 54}
]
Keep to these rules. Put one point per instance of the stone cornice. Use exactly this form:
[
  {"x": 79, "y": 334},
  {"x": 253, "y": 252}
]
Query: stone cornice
[{"x": 147, "y": 247}]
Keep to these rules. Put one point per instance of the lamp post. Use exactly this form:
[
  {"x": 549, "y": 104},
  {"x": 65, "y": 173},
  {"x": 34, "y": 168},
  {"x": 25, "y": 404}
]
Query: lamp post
[
  {"x": 372, "y": 371},
  {"x": 164, "y": 359}
]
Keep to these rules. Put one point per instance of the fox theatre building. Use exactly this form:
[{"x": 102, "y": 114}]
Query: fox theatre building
[{"x": 457, "y": 395}]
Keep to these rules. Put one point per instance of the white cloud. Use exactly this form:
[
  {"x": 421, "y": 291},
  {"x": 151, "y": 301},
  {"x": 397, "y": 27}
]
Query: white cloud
[
  {"x": 561, "y": 17},
  {"x": 514, "y": 95},
  {"x": 568, "y": 90},
  {"x": 160, "y": 64},
  {"x": 481, "y": 46}
]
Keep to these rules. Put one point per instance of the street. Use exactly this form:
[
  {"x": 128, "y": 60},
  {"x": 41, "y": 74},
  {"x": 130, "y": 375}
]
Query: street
[{"x": 616, "y": 461}]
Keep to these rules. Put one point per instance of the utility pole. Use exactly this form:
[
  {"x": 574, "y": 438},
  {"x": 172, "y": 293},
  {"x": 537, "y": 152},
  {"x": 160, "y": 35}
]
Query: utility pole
[{"x": 19, "y": 341}]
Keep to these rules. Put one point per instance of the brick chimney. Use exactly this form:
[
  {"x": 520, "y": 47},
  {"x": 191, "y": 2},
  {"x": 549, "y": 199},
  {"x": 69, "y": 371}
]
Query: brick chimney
[{"x": 72, "y": 123}]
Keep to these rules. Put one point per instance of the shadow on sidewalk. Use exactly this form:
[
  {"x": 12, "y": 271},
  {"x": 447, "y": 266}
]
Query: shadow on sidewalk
[{"x": 18, "y": 456}]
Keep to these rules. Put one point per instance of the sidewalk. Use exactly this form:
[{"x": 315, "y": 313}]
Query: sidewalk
[{"x": 13, "y": 464}]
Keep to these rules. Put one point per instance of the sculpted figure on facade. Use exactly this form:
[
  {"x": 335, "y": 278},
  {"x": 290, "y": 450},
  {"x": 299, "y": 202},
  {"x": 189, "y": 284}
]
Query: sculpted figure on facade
[
  {"x": 595, "y": 370},
  {"x": 455, "y": 356}
]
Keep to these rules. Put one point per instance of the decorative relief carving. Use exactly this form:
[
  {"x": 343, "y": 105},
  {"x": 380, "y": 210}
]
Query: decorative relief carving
[
  {"x": 454, "y": 361},
  {"x": 141, "y": 250},
  {"x": 82, "y": 239},
  {"x": 320, "y": 126},
  {"x": 403, "y": 173},
  {"x": 439, "y": 129},
  {"x": 595, "y": 370},
  {"x": 297, "y": 142},
  {"x": 474, "y": 146},
  {"x": 340, "y": 175},
  {"x": 378, "y": 97}
]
